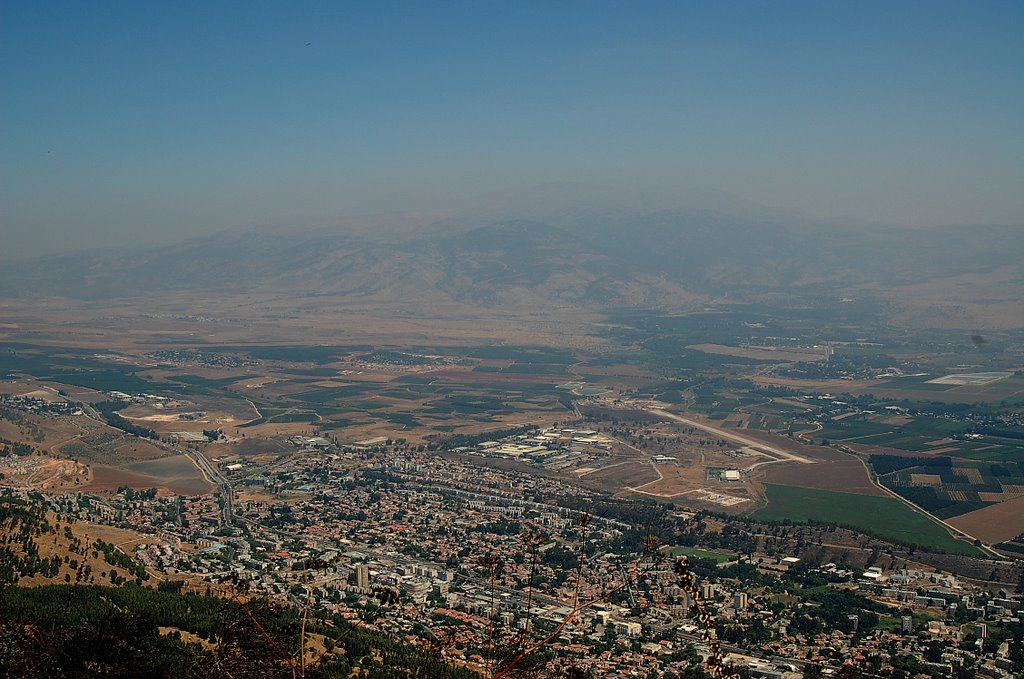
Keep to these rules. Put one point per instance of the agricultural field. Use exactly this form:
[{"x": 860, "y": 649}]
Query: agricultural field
[
  {"x": 946, "y": 487},
  {"x": 845, "y": 474},
  {"x": 883, "y": 516},
  {"x": 762, "y": 353},
  {"x": 909, "y": 388},
  {"x": 854, "y": 429},
  {"x": 921, "y": 434},
  {"x": 994, "y": 523},
  {"x": 359, "y": 390},
  {"x": 993, "y": 449},
  {"x": 175, "y": 473},
  {"x": 1013, "y": 546},
  {"x": 411, "y": 394},
  {"x": 102, "y": 477}
]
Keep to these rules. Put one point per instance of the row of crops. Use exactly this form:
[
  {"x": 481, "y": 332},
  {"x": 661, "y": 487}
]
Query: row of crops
[{"x": 947, "y": 487}]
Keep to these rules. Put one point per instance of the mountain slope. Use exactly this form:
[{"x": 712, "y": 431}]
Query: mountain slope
[{"x": 610, "y": 257}]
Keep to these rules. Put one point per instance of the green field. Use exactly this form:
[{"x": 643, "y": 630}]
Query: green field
[
  {"x": 327, "y": 394},
  {"x": 915, "y": 435},
  {"x": 850, "y": 428},
  {"x": 882, "y": 516},
  {"x": 993, "y": 449},
  {"x": 105, "y": 380},
  {"x": 717, "y": 557}
]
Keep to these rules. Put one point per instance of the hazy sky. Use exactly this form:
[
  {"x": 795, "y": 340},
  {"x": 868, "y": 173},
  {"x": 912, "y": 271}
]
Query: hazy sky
[{"x": 136, "y": 120}]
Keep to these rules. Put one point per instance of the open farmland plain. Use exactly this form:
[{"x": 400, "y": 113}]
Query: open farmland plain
[{"x": 712, "y": 410}]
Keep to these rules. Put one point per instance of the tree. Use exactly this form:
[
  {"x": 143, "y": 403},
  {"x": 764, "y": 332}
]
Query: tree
[{"x": 813, "y": 671}]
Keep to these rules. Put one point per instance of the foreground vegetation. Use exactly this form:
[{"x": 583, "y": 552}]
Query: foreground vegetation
[{"x": 131, "y": 631}]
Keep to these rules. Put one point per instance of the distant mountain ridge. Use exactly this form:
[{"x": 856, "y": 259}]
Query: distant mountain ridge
[{"x": 599, "y": 258}]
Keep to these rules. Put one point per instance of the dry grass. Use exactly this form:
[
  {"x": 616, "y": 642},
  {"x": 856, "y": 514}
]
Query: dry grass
[
  {"x": 57, "y": 544},
  {"x": 137, "y": 325},
  {"x": 675, "y": 479},
  {"x": 623, "y": 475}
]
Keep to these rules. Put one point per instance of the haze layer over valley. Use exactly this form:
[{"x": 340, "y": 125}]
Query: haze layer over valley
[{"x": 564, "y": 255}]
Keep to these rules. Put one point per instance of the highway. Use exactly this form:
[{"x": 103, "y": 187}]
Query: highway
[{"x": 226, "y": 492}]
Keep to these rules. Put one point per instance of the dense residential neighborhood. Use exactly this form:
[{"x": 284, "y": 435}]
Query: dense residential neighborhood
[{"x": 421, "y": 546}]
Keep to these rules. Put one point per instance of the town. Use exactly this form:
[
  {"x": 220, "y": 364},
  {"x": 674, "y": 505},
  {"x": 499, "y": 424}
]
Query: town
[{"x": 420, "y": 545}]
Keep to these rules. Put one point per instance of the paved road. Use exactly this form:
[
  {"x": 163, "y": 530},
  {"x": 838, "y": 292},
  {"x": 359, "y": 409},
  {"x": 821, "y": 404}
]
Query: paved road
[{"x": 226, "y": 492}]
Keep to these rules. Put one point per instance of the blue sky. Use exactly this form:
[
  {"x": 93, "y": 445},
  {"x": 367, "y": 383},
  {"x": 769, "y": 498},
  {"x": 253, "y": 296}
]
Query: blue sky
[{"x": 133, "y": 121}]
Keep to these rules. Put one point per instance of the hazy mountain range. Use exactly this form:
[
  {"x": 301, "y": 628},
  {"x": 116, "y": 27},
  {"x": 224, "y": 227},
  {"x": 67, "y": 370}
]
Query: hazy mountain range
[{"x": 564, "y": 244}]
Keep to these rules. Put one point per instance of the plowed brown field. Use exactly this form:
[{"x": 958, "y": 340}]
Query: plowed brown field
[
  {"x": 845, "y": 475},
  {"x": 993, "y": 524}
]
